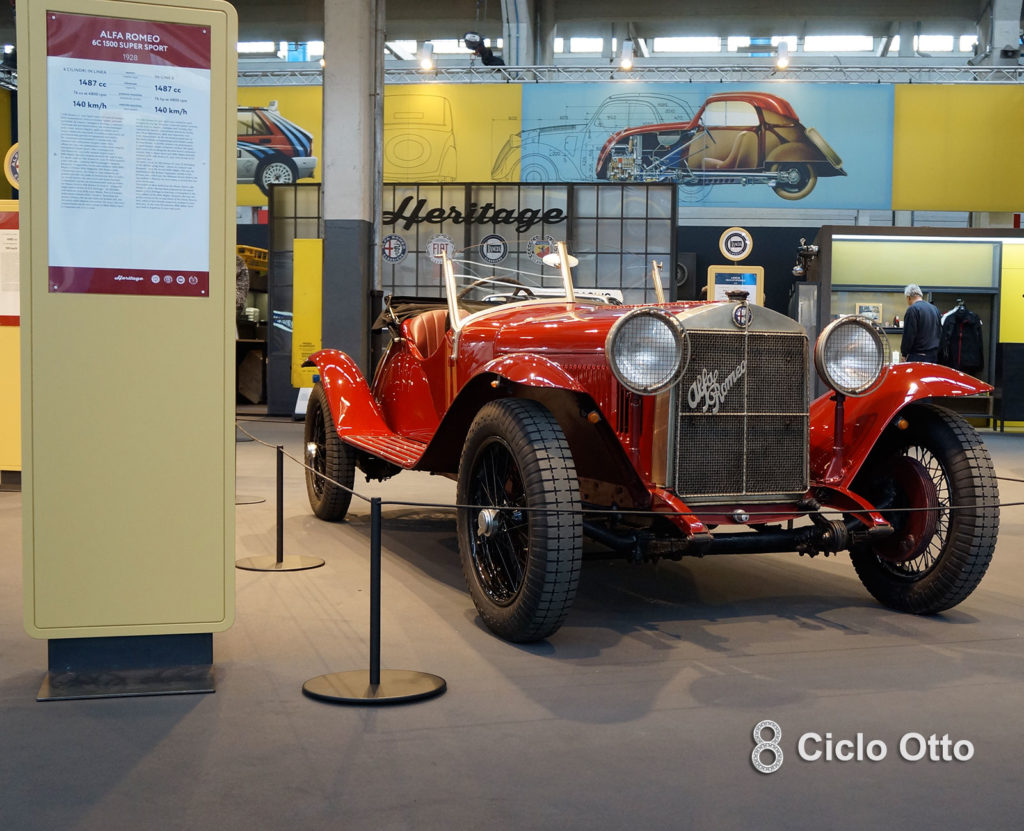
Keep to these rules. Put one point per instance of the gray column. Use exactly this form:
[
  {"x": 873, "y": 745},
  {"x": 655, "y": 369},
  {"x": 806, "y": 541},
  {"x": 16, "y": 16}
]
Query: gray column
[
  {"x": 353, "y": 95},
  {"x": 517, "y": 31},
  {"x": 999, "y": 34}
]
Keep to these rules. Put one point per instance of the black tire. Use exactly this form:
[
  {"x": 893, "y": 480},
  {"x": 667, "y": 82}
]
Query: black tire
[
  {"x": 327, "y": 455},
  {"x": 801, "y": 179},
  {"x": 522, "y": 567},
  {"x": 936, "y": 572},
  {"x": 277, "y": 170}
]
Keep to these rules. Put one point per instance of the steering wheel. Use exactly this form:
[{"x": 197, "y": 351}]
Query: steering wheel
[{"x": 519, "y": 287}]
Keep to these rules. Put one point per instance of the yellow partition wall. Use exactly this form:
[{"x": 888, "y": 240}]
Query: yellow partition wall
[
  {"x": 307, "y": 302},
  {"x": 10, "y": 364},
  {"x": 128, "y": 399},
  {"x": 1011, "y": 318}
]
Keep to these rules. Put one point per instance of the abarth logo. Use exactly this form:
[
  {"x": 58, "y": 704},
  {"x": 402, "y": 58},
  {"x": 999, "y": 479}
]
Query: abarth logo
[{"x": 707, "y": 393}]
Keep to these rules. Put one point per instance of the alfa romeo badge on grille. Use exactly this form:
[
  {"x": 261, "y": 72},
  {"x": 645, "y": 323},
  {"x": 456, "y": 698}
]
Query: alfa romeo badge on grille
[{"x": 742, "y": 315}]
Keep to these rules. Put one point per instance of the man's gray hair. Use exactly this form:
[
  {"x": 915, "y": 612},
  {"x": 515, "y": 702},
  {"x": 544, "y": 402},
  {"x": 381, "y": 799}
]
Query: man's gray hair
[{"x": 913, "y": 290}]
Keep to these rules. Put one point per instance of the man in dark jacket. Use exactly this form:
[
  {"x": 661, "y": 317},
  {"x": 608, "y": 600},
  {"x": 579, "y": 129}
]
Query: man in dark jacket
[{"x": 922, "y": 328}]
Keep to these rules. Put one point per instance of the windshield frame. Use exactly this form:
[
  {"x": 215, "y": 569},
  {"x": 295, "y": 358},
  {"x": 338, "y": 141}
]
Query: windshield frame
[{"x": 459, "y": 315}]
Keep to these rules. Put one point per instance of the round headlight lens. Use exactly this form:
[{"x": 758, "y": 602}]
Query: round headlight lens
[
  {"x": 852, "y": 355},
  {"x": 648, "y": 350}
]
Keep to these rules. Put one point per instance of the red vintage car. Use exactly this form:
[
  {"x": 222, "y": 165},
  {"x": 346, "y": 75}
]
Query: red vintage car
[
  {"x": 735, "y": 138},
  {"x": 661, "y": 430}
]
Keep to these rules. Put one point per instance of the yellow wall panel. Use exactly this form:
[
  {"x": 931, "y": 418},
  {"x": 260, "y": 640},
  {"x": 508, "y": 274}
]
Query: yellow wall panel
[
  {"x": 1011, "y": 301},
  {"x": 958, "y": 148},
  {"x": 307, "y": 303},
  {"x": 447, "y": 133},
  {"x": 10, "y": 398}
]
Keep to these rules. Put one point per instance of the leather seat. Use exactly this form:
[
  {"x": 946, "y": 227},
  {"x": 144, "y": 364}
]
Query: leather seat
[
  {"x": 426, "y": 331},
  {"x": 742, "y": 156}
]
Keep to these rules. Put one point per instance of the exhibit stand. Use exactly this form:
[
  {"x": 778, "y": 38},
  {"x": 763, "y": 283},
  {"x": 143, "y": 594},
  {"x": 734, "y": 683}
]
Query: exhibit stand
[
  {"x": 10, "y": 391},
  {"x": 127, "y": 360}
]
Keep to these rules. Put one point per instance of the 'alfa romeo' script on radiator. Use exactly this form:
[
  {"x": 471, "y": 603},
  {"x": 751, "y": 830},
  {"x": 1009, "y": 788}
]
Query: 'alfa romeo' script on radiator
[{"x": 707, "y": 389}]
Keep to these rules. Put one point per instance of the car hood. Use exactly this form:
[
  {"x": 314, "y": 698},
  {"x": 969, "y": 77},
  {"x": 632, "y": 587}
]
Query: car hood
[{"x": 555, "y": 327}]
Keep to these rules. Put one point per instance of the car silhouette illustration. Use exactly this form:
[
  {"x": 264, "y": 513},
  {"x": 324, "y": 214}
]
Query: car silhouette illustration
[
  {"x": 736, "y": 138},
  {"x": 272, "y": 149},
  {"x": 419, "y": 138},
  {"x": 567, "y": 151}
]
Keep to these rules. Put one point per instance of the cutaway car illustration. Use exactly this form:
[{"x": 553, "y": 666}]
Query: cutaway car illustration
[
  {"x": 659, "y": 431},
  {"x": 419, "y": 138},
  {"x": 741, "y": 138},
  {"x": 272, "y": 149},
  {"x": 567, "y": 151}
]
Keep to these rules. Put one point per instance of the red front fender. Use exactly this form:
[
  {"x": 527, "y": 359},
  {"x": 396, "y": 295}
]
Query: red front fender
[
  {"x": 867, "y": 416},
  {"x": 352, "y": 405},
  {"x": 533, "y": 371}
]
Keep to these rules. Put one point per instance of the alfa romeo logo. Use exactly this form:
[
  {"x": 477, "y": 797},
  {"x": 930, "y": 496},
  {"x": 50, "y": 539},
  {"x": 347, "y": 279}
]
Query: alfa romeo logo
[
  {"x": 393, "y": 248},
  {"x": 742, "y": 315}
]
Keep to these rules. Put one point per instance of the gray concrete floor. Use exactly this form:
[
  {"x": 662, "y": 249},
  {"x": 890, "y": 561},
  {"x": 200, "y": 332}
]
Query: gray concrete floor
[{"x": 638, "y": 713}]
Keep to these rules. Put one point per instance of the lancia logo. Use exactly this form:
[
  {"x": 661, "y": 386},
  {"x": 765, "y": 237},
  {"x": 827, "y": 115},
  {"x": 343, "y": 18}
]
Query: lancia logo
[{"x": 742, "y": 315}]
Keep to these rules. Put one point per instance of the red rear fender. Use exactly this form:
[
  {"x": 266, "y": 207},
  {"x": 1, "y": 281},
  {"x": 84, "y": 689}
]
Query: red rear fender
[
  {"x": 352, "y": 405},
  {"x": 867, "y": 416}
]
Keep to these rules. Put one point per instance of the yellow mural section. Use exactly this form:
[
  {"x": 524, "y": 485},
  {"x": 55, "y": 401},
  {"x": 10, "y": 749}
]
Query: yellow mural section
[
  {"x": 449, "y": 133},
  {"x": 302, "y": 106},
  {"x": 958, "y": 148},
  {"x": 1011, "y": 316}
]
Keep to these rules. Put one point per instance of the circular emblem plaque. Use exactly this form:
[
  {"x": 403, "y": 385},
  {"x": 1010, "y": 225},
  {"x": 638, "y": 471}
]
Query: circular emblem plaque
[
  {"x": 393, "y": 248},
  {"x": 736, "y": 244},
  {"x": 438, "y": 245},
  {"x": 742, "y": 315},
  {"x": 493, "y": 249}
]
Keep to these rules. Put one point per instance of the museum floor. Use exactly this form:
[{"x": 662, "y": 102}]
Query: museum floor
[{"x": 638, "y": 713}]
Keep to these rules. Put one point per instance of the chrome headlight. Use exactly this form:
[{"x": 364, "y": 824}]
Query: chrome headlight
[
  {"x": 648, "y": 350},
  {"x": 852, "y": 355}
]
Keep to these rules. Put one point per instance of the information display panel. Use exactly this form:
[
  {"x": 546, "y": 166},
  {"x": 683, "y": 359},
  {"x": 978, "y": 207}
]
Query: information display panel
[{"x": 127, "y": 126}]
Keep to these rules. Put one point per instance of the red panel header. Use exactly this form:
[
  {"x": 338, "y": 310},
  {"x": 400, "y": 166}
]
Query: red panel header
[{"x": 127, "y": 41}]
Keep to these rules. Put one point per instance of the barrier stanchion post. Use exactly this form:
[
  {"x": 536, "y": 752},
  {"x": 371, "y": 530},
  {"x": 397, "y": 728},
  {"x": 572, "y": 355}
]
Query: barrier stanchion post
[
  {"x": 376, "y": 686},
  {"x": 375, "y": 591},
  {"x": 295, "y": 562}
]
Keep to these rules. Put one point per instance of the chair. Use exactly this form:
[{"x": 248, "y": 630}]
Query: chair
[{"x": 742, "y": 156}]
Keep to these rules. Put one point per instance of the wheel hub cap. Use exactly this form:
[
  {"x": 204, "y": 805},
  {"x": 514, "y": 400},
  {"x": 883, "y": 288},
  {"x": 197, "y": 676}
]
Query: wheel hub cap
[{"x": 488, "y": 522}]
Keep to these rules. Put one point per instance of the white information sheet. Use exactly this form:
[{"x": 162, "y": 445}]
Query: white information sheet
[{"x": 129, "y": 156}]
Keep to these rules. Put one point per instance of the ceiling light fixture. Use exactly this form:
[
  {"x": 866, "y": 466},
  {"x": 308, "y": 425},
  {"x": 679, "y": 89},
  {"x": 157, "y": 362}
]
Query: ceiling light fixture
[
  {"x": 782, "y": 55},
  {"x": 425, "y": 56},
  {"x": 626, "y": 55}
]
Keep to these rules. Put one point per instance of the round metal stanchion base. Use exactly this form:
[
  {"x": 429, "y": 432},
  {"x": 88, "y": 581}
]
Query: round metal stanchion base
[
  {"x": 292, "y": 562},
  {"x": 396, "y": 686},
  {"x": 249, "y": 500}
]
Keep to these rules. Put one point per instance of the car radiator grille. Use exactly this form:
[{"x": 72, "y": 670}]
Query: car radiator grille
[{"x": 741, "y": 428}]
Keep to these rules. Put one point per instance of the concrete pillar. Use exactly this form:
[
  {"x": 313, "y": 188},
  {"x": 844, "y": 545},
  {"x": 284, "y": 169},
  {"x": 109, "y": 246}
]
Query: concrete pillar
[
  {"x": 907, "y": 33},
  {"x": 999, "y": 34},
  {"x": 517, "y": 31},
  {"x": 545, "y": 32},
  {"x": 353, "y": 99}
]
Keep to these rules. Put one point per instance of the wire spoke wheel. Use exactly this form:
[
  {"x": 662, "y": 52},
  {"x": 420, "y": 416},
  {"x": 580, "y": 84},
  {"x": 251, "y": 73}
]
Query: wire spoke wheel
[
  {"x": 939, "y": 469},
  {"x": 519, "y": 525},
  {"x": 329, "y": 482}
]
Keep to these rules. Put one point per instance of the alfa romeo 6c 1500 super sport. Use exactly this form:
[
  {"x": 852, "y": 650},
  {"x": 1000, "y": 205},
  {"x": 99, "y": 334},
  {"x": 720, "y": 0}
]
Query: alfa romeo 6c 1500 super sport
[{"x": 658, "y": 430}]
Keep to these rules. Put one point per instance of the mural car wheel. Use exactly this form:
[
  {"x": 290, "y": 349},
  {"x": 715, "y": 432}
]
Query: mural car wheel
[
  {"x": 521, "y": 562},
  {"x": 275, "y": 171},
  {"x": 933, "y": 560},
  {"x": 537, "y": 169},
  {"x": 796, "y": 179},
  {"x": 329, "y": 457}
]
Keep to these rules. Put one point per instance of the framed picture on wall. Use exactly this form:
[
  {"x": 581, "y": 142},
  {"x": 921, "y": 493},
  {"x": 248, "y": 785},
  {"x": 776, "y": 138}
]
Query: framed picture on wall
[{"x": 872, "y": 311}]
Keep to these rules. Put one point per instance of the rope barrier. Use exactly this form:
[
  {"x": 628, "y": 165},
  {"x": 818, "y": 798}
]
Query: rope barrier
[{"x": 628, "y": 511}]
